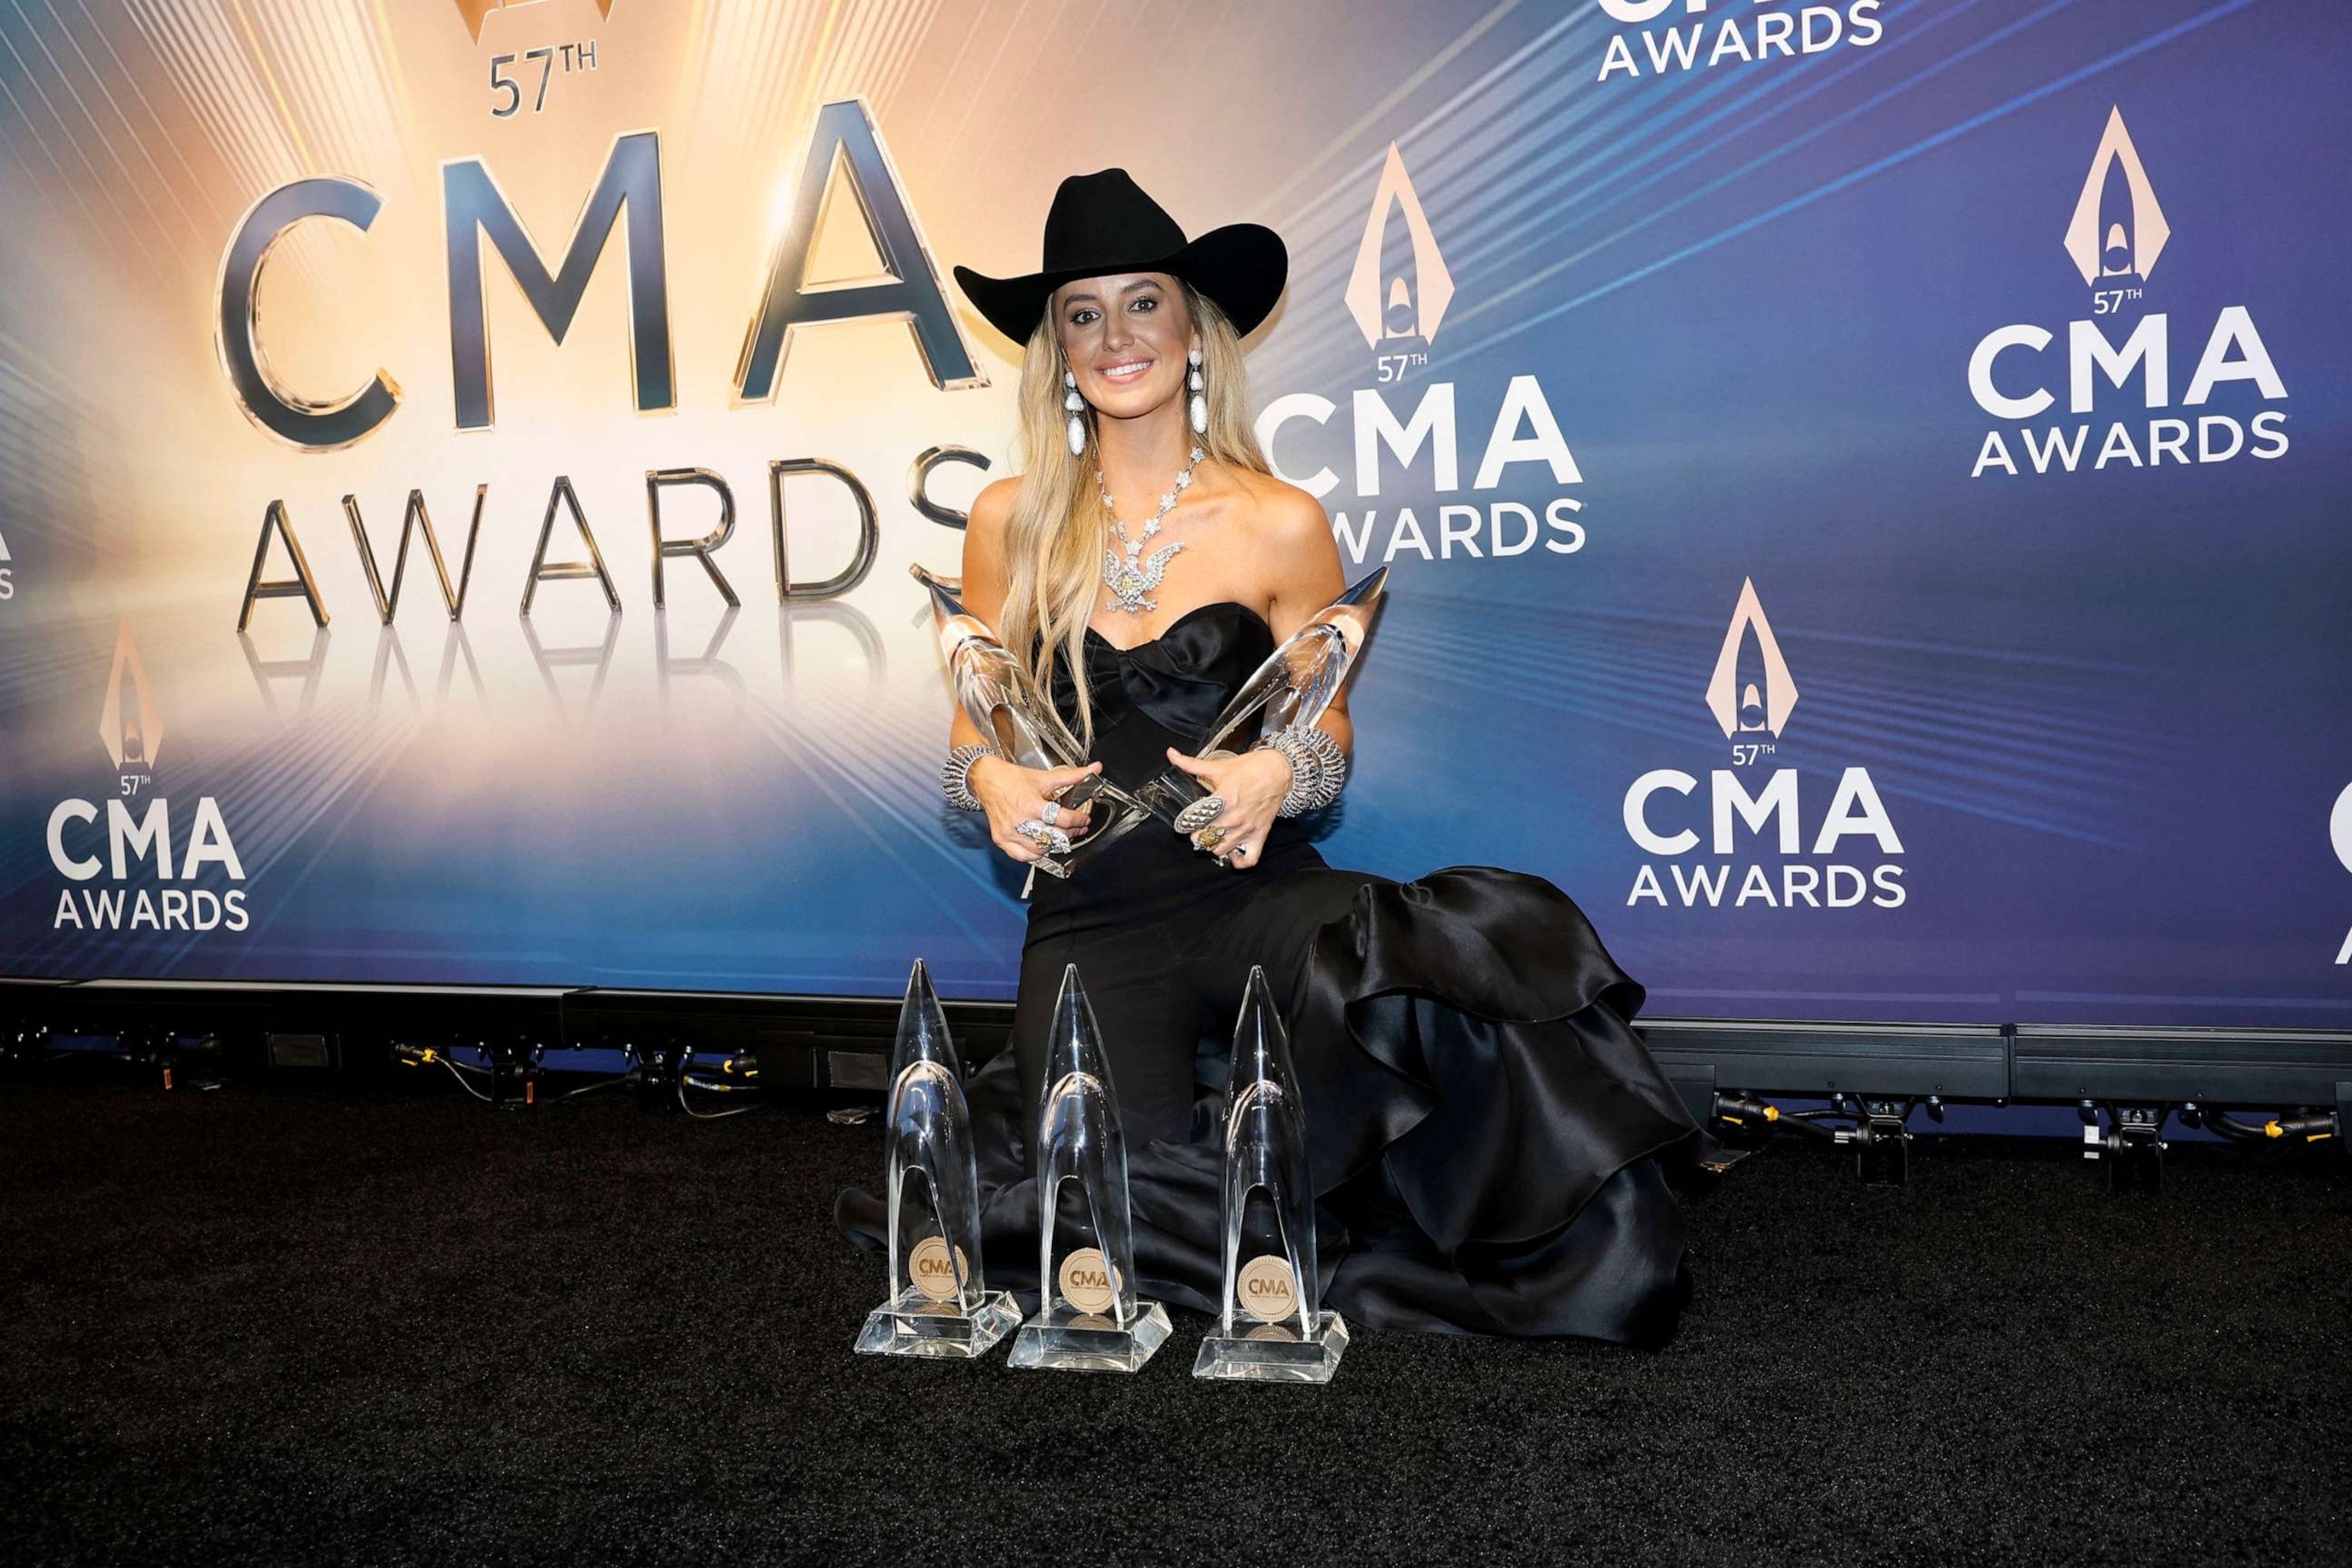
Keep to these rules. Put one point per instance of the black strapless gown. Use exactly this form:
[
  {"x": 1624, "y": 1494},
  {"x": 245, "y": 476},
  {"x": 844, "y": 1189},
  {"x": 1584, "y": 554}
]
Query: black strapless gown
[{"x": 1486, "y": 1131}]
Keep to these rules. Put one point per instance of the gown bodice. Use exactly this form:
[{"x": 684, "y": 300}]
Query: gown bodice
[{"x": 1145, "y": 699}]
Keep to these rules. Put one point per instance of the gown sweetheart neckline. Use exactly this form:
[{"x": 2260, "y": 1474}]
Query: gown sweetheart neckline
[{"x": 1166, "y": 630}]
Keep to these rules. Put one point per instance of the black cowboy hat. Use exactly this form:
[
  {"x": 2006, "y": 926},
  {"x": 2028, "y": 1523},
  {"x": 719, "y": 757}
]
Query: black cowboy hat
[{"x": 1102, "y": 224}]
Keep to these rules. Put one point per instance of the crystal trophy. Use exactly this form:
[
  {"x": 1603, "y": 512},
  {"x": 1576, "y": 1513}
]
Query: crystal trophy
[
  {"x": 939, "y": 1304},
  {"x": 1294, "y": 686},
  {"x": 1270, "y": 1328},
  {"x": 991, "y": 686},
  {"x": 1089, "y": 1319}
]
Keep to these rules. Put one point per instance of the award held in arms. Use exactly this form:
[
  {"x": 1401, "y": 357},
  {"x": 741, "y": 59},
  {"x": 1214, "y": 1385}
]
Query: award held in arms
[
  {"x": 1089, "y": 1319},
  {"x": 939, "y": 1304},
  {"x": 1293, "y": 686},
  {"x": 1270, "y": 1328},
  {"x": 995, "y": 694}
]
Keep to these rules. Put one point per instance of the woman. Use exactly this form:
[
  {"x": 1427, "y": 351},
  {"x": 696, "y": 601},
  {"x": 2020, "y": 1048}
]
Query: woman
[{"x": 1486, "y": 1130}]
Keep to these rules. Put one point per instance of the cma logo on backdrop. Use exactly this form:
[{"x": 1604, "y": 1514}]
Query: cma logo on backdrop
[
  {"x": 1398, "y": 293},
  {"x": 1694, "y": 35},
  {"x": 1398, "y": 306},
  {"x": 623, "y": 218},
  {"x": 477, "y": 12},
  {"x": 1753, "y": 695},
  {"x": 2339, "y": 831},
  {"x": 133, "y": 859},
  {"x": 2114, "y": 236}
]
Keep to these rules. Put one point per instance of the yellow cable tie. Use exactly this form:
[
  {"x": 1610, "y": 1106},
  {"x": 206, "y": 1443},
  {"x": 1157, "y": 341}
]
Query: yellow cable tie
[
  {"x": 1771, "y": 1113},
  {"x": 2273, "y": 1130},
  {"x": 2317, "y": 1137},
  {"x": 1734, "y": 1121}
]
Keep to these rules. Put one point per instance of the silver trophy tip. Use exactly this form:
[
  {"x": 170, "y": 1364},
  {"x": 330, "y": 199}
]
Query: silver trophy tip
[{"x": 947, "y": 600}]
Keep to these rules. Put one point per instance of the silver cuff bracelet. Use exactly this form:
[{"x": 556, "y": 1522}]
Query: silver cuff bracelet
[
  {"x": 955, "y": 777},
  {"x": 1318, "y": 768}
]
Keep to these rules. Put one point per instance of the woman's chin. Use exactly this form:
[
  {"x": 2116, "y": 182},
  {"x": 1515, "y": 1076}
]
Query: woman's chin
[{"x": 1133, "y": 404}]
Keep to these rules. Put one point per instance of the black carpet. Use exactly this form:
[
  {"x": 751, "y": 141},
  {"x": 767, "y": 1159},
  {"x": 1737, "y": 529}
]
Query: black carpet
[{"x": 242, "y": 1327}]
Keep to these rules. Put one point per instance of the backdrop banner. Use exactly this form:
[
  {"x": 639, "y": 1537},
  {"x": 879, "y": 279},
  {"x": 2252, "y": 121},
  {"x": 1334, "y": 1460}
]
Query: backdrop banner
[{"x": 1866, "y": 483}]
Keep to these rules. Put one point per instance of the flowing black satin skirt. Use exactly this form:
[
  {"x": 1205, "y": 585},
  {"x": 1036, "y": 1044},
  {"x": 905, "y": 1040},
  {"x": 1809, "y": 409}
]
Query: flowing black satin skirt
[{"x": 1487, "y": 1134}]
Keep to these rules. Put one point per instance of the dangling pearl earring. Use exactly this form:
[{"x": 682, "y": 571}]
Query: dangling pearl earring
[
  {"x": 1199, "y": 399},
  {"x": 1074, "y": 403}
]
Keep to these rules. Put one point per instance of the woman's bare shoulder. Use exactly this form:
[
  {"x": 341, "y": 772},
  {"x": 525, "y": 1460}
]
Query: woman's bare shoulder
[
  {"x": 1281, "y": 512},
  {"x": 993, "y": 508}
]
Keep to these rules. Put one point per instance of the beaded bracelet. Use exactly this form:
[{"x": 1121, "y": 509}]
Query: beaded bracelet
[
  {"x": 1318, "y": 768},
  {"x": 955, "y": 778}
]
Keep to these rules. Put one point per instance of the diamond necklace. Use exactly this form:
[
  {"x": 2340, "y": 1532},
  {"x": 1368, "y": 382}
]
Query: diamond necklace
[{"x": 1131, "y": 579}]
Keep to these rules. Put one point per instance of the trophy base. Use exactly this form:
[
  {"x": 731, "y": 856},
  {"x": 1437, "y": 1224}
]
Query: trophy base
[
  {"x": 914, "y": 1324},
  {"x": 1066, "y": 1339},
  {"x": 1273, "y": 1352}
]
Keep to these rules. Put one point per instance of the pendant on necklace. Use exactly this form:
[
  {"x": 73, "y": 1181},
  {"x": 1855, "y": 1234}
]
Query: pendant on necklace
[{"x": 1135, "y": 576}]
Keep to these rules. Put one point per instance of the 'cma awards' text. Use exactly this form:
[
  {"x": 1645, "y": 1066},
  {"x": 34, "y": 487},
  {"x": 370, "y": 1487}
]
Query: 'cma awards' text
[{"x": 1708, "y": 41}]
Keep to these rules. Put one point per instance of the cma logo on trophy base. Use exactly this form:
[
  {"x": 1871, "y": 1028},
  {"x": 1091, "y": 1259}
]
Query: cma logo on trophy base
[
  {"x": 2339, "y": 832},
  {"x": 139, "y": 849},
  {"x": 1751, "y": 695},
  {"x": 2115, "y": 237},
  {"x": 1687, "y": 36},
  {"x": 1397, "y": 293}
]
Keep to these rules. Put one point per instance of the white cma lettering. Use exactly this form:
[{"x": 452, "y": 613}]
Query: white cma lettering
[
  {"x": 2234, "y": 351},
  {"x": 1856, "y": 809},
  {"x": 133, "y": 842}
]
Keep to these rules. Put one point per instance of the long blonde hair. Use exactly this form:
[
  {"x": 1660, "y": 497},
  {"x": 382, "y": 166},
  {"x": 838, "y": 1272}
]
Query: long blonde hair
[{"x": 1055, "y": 540}]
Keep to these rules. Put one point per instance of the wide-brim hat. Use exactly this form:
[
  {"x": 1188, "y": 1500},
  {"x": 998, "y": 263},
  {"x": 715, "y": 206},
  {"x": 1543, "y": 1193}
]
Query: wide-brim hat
[{"x": 1102, "y": 224}]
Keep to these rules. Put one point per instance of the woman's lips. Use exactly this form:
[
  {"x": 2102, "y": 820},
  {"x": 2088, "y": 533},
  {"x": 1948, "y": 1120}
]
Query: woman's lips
[{"x": 1125, "y": 370}]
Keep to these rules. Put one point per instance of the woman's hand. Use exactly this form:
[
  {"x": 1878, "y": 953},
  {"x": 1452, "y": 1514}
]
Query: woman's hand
[
  {"x": 1014, "y": 794},
  {"x": 1251, "y": 785}
]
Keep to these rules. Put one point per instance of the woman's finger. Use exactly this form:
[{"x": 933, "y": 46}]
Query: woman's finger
[
  {"x": 1055, "y": 780},
  {"x": 1195, "y": 766},
  {"x": 1070, "y": 819}
]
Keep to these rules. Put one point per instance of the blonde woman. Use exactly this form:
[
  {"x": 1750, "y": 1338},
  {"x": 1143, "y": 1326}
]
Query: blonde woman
[{"x": 1486, "y": 1130}]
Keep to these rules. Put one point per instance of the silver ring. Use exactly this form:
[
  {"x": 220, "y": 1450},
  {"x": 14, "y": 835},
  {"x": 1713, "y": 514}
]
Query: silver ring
[
  {"x": 1199, "y": 813},
  {"x": 1053, "y": 813},
  {"x": 1048, "y": 840}
]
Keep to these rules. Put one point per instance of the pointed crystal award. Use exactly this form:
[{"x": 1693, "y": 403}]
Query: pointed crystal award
[
  {"x": 1271, "y": 1327},
  {"x": 939, "y": 1304},
  {"x": 1294, "y": 686},
  {"x": 1089, "y": 1319},
  {"x": 995, "y": 694}
]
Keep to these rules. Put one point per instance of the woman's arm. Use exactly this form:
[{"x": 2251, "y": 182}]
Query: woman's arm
[
  {"x": 1299, "y": 571},
  {"x": 1304, "y": 577},
  {"x": 1010, "y": 793},
  {"x": 984, "y": 577}
]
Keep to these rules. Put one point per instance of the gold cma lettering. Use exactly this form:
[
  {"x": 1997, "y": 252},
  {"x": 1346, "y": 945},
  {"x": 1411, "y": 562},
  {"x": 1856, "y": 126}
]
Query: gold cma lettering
[{"x": 628, "y": 199}]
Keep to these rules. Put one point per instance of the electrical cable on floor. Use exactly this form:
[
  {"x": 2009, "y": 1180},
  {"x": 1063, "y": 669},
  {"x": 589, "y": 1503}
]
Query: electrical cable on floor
[
  {"x": 1739, "y": 1110},
  {"x": 2314, "y": 1128},
  {"x": 684, "y": 1079},
  {"x": 455, "y": 1072}
]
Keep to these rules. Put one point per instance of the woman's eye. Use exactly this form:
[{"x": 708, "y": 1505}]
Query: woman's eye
[
  {"x": 1146, "y": 304},
  {"x": 1082, "y": 318}
]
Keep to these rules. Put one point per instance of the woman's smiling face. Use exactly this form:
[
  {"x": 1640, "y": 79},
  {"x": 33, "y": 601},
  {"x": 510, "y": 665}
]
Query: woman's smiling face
[{"x": 1126, "y": 337}]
